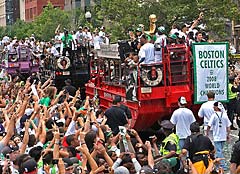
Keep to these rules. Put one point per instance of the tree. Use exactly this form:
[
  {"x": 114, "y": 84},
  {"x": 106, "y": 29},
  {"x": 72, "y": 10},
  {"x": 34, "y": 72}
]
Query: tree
[
  {"x": 45, "y": 24},
  {"x": 21, "y": 29},
  {"x": 120, "y": 15}
]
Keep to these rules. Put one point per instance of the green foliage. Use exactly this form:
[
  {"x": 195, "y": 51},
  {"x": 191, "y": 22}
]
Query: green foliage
[
  {"x": 118, "y": 16},
  {"x": 45, "y": 24}
]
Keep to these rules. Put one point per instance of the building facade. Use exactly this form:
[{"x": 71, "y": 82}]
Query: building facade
[
  {"x": 22, "y": 9},
  {"x": 34, "y": 8},
  {"x": 9, "y": 12},
  {"x": 83, "y": 4},
  {"x": 72, "y": 4},
  {"x": 3, "y": 13}
]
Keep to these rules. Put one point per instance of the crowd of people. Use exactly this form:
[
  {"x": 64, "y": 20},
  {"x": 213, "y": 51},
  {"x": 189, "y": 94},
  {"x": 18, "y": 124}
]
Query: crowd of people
[
  {"x": 43, "y": 131},
  {"x": 76, "y": 45}
]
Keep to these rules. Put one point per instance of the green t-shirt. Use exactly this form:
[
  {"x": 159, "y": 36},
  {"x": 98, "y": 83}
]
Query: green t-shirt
[
  {"x": 45, "y": 101},
  {"x": 67, "y": 41},
  {"x": 81, "y": 109},
  {"x": 153, "y": 38}
]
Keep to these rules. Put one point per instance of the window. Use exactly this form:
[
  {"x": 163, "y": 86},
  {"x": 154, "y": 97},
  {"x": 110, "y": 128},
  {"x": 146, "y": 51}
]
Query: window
[
  {"x": 34, "y": 12},
  {"x": 27, "y": 14},
  {"x": 87, "y": 3},
  {"x": 31, "y": 13}
]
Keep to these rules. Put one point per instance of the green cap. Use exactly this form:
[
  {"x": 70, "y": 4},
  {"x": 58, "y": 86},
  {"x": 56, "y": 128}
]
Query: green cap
[
  {"x": 139, "y": 29},
  {"x": 161, "y": 29},
  {"x": 171, "y": 161},
  {"x": 108, "y": 133},
  {"x": 173, "y": 36}
]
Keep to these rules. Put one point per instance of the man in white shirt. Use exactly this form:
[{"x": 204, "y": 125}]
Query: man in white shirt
[
  {"x": 160, "y": 43},
  {"x": 146, "y": 53},
  {"x": 88, "y": 36},
  {"x": 96, "y": 40},
  {"x": 206, "y": 111},
  {"x": 53, "y": 51},
  {"x": 182, "y": 118},
  {"x": 102, "y": 34},
  {"x": 220, "y": 124}
]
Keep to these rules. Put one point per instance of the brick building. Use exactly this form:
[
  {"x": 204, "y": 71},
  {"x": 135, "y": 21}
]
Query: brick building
[{"x": 34, "y": 8}]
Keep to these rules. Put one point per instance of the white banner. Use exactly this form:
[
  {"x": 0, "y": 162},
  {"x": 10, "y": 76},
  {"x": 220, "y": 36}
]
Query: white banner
[{"x": 210, "y": 71}]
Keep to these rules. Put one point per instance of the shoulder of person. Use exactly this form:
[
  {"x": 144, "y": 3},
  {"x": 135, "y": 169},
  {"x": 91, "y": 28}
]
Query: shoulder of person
[{"x": 123, "y": 106}]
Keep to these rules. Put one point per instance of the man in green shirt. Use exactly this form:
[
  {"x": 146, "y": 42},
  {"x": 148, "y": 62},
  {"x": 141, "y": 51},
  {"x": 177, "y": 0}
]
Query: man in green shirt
[{"x": 67, "y": 40}]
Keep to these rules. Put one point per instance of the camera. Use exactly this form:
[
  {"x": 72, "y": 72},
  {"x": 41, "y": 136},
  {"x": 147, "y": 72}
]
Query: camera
[{"x": 7, "y": 156}]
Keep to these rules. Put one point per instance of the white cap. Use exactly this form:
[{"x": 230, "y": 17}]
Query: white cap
[
  {"x": 220, "y": 106},
  {"x": 182, "y": 100}
]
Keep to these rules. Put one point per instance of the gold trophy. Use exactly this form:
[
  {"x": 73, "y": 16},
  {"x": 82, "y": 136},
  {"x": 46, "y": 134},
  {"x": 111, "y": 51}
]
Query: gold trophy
[{"x": 152, "y": 28}]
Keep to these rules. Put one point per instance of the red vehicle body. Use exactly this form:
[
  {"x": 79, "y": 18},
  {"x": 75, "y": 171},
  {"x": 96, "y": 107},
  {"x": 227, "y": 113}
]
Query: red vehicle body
[{"x": 158, "y": 85}]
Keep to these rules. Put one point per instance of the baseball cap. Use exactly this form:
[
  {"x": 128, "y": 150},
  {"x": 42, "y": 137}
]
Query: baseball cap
[
  {"x": 29, "y": 166},
  {"x": 166, "y": 124},
  {"x": 182, "y": 100},
  {"x": 74, "y": 160},
  {"x": 173, "y": 36},
  {"x": 146, "y": 170},
  {"x": 9, "y": 149},
  {"x": 108, "y": 133},
  {"x": 220, "y": 106},
  {"x": 67, "y": 162},
  {"x": 121, "y": 170},
  {"x": 139, "y": 29},
  {"x": 171, "y": 161},
  {"x": 118, "y": 98},
  {"x": 194, "y": 127},
  {"x": 161, "y": 29}
]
